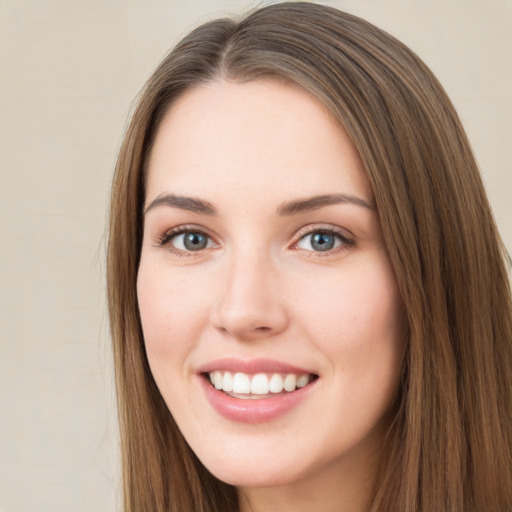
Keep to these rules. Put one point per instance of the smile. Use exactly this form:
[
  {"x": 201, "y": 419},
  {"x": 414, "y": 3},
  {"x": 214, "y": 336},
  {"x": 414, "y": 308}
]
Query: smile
[
  {"x": 257, "y": 386},
  {"x": 255, "y": 391}
]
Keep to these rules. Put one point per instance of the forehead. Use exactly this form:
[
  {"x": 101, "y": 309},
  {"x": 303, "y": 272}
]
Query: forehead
[{"x": 263, "y": 135}]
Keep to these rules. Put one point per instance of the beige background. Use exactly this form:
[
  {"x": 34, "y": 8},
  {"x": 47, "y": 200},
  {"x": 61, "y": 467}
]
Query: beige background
[{"x": 69, "y": 71}]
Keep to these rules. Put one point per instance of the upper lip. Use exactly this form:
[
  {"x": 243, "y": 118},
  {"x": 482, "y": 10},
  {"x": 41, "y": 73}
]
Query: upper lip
[{"x": 252, "y": 366}]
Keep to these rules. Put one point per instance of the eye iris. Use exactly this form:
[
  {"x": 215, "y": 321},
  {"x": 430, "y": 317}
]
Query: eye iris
[
  {"x": 322, "y": 241},
  {"x": 195, "y": 241}
]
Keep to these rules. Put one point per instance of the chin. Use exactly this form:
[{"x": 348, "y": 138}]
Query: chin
[
  {"x": 243, "y": 473},
  {"x": 251, "y": 460}
]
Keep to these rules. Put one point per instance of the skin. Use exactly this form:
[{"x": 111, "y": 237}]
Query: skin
[{"x": 259, "y": 289}]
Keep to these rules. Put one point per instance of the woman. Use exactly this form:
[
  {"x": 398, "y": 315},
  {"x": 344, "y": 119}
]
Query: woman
[{"x": 297, "y": 217}]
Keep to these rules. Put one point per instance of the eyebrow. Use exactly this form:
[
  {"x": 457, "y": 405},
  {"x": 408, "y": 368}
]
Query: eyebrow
[
  {"x": 191, "y": 204},
  {"x": 316, "y": 202},
  {"x": 196, "y": 205}
]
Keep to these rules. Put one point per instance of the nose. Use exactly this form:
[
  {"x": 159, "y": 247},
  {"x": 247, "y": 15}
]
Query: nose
[{"x": 250, "y": 304}]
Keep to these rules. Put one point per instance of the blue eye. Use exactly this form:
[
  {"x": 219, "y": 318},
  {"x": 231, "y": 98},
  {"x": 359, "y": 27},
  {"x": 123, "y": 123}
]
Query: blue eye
[
  {"x": 187, "y": 241},
  {"x": 320, "y": 241}
]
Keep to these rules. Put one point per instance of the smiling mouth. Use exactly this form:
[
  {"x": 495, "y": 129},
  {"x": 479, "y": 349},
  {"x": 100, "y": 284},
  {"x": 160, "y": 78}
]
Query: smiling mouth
[{"x": 259, "y": 385}]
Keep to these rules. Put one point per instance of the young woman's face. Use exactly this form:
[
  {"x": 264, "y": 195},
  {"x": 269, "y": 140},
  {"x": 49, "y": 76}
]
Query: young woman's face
[{"x": 264, "y": 270}]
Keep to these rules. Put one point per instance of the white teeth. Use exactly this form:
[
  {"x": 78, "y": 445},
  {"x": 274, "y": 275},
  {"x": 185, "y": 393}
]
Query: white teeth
[
  {"x": 241, "y": 383},
  {"x": 217, "y": 380},
  {"x": 258, "y": 384},
  {"x": 227, "y": 382},
  {"x": 276, "y": 383},
  {"x": 290, "y": 382},
  {"x": 302, "y": 381}
]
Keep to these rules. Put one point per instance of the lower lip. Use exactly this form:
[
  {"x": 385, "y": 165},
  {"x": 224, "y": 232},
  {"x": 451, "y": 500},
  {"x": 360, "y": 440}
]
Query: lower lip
[{"x": 253, "y": 410}]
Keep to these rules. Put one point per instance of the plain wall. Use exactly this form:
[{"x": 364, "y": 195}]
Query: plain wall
[{"x": 69, "y": 71}]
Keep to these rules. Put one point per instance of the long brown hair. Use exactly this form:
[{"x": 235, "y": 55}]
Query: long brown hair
[{"x": 449, "y": 448}]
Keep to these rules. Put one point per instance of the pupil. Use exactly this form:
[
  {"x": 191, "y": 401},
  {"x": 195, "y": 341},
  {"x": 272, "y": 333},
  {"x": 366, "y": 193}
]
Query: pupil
[
  {"x": 195, "y": 241},
  {"x": 322, "y": 242}
]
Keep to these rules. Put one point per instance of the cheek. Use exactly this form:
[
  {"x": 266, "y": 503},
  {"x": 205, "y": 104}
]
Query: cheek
[
  {"x": 170, "y": 313},
  {"x": 358, "y": 307},
  {"x": 358, "y": 322}
]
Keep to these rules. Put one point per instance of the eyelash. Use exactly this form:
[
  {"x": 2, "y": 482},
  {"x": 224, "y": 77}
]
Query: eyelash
[
  {"x": 166, "y": 238},
  {"x": 346, "y": 243}
]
